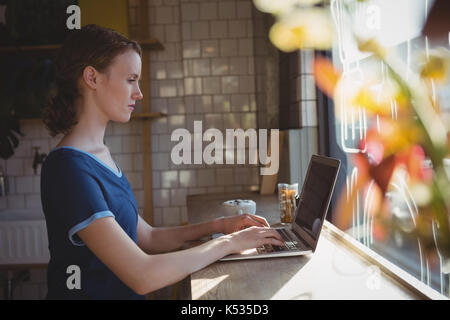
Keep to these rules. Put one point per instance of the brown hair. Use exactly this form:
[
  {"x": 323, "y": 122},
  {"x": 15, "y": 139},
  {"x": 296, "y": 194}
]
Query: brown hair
[{"x": 93, "y": 46}]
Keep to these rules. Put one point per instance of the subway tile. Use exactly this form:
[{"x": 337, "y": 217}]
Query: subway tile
[
  {"x": 178, "y": 197},
  {"x": 157, "y": 217},
  {"x": 227, "y": 10},
  {"x": 15, "y": 167},
  {"x": 194, "y": 191},
  {"x": 165, "y": 145},
  {"x": 159, "y": 125},
  {"x": 309, "y": 114},
  {"x": 232, "y": 121},
  {"x": 169, "y": 179},
  {"x": 172, "y": 33},
  {"x": 225, "y": 177},
  {"x": 219, "y": 29},
  {"x": 171, "y": 216},
  {"x": 191, "y": 49},
  {"x": 203, "y": 104},
  {"x": 238, "y": 66},
  {"x": 184, "y": 215},
  {"x": 167, "y": 88},
  {"x": 160, "y": 161},
  {"x": 174, "y": 70},
  {"x": 175, "y": 122},
  {"x": 213, "y": 120},
  {"x": 187, "y": 178},
  {"x": 213, "y": 190},
  {"x": 158, "y": 70},
  {"x": 140, "y": 199},
  {"x": 43, "y": 144},
  {"x": 220, "y": 66},
  {"x": 208, "y": 11},
  {"x": 124, "y": 161},
  {"x": 228, "y": 47},
  {"x": 156, "y": 179},
  {"x": 155, "y": 142},
  {"x": 164, "y": 15},
  {"x": 159, "y": 105},
  {"x": 308, "y": 87},
  {"x": 24, "y": 149},
  {"x": 200, "y": 30},
  {"x": 250, "y": 29},
  {"x": 201, "y": 67},
  {"x": 221, "y": 103},
  {"x": 186, "y": 32},
  {"x": 135, "y": 179},
  {"x": 158, "y": 32},
  {"x": 130, "y": 144},
  {"x": 230, "y": 84},
  {"x": 114, "y": 144},
  {"x": 24, "y": 185},
  {"x": 246, "y": 84},
  {"x": 240, "y": 103},
  {"x": 242, "y": 176},
  {"x": 190, "y": 104},
  {"x": 307, "y": 60},
  {"x": 138, "y": 163},
  {"x": 175, "y": 106},
  {"x": 248, "y": 121},
  {"x": 189, "y": 11},
  {"x": 16, "y": 201},
  {"x": 193, "y": 86},
  {"x": 188, "y": 67},
  {"x": 237, "y": 28},
  {"x": 161, "y": 197},
  {"x": 211, "y": 85},
  {"x": 206, "y": 177},
  {"x": 245, "y": 47},
  {"x": 244, "y": 9},
  {"x": 210, "y": 48},
  {"x": 37, "y": 184}
]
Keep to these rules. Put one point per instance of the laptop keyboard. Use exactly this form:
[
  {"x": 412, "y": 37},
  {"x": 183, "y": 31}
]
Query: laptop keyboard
[{"x": 289, "y": 244}]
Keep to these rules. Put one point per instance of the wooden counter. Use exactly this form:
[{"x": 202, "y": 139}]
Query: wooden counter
[{"x": 335, "y": 271}]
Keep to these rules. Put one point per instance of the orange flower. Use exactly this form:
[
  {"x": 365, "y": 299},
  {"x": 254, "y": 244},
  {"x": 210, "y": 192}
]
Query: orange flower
[{"x": 326, "y": 75}]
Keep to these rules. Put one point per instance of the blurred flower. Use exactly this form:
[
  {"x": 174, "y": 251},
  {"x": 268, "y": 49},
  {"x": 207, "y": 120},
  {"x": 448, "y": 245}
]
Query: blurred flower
[
  {"x": 436, "y": 65},
  {"x": 277, "y": 7},
  {"x": 326, "y": 75},
  {"x": 303, "y": 28},
  {"x": 371, "y": 45}
]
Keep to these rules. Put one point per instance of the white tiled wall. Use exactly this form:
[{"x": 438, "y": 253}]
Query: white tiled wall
[{"x": 206, "y": 73}]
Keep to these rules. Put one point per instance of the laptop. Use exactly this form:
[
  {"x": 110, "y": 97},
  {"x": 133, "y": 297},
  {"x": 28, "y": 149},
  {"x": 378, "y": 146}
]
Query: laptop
[{"x": 302, "y": 235}]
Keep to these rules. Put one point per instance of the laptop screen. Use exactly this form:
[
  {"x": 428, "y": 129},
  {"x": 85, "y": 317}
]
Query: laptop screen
[{"x": 314, "y": 197}]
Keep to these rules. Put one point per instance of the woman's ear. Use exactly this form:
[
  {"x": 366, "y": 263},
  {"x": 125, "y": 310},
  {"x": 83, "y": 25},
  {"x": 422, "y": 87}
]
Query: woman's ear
[{"x": 90, "y": 77}]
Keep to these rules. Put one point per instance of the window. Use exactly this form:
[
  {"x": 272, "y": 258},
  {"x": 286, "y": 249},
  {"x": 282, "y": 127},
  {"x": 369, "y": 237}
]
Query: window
[{"x": 396, "y": 25}]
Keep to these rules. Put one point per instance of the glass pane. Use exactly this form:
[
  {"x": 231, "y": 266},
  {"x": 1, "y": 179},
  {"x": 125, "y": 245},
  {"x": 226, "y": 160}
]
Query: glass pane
[{"x": 397, "y": 25}]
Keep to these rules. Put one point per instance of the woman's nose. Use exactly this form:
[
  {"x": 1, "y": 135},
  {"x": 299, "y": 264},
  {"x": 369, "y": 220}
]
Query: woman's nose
[{"x": 137, "y": 95}]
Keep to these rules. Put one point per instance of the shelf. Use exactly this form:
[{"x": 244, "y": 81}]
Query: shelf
[
  {"x": 148, "y": 115},
  {"x": 51, "y": 49}
]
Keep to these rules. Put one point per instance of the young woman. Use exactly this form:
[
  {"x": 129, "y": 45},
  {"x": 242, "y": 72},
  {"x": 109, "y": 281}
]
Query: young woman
[{"x": 100, "y": 248}]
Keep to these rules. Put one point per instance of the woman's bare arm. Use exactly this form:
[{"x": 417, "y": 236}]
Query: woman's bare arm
[
  {"x": 159, "y": 240},
  {"x": 144, "y": 273}
]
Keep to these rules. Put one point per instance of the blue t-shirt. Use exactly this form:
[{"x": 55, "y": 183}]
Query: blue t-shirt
[{"x": 77, "y": 188}]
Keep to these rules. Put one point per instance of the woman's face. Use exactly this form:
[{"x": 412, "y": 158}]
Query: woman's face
[{"x": 118, "y": 88}]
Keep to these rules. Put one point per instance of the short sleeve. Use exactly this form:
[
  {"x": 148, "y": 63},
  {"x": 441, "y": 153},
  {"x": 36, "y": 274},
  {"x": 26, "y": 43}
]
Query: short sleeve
[{"x": 76, "y": 196}]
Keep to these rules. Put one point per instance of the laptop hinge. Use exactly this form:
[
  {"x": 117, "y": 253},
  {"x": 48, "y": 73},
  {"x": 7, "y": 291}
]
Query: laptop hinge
[{"x": 301, "y": 238}]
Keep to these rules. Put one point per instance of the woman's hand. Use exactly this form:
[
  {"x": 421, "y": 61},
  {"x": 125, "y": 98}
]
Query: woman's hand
[
  {"x": 254, "y": 237},
  {"x": 242, "y": 221}
]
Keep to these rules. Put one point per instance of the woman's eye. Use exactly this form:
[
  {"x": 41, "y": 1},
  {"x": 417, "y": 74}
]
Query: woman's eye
[{"x": 131, "y": 80}]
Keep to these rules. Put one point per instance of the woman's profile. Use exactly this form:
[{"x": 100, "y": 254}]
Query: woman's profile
[{"x": 91, "y": 213}]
